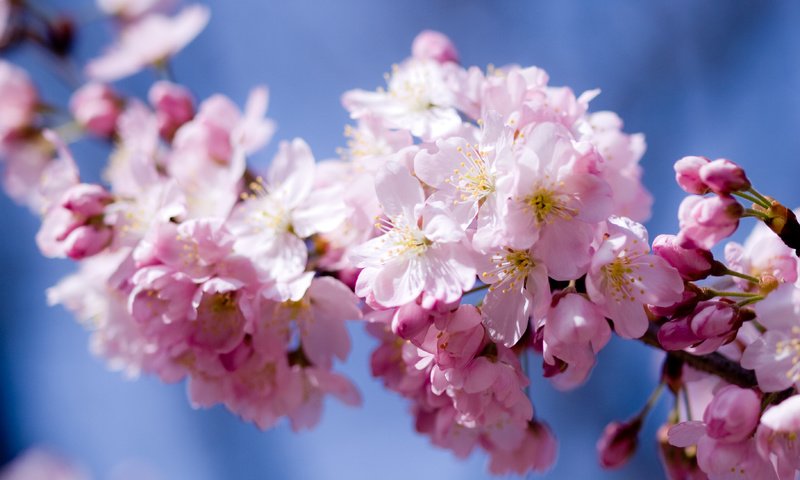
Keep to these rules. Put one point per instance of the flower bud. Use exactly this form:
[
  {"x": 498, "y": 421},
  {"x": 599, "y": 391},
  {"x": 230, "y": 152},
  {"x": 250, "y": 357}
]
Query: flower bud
[
  {"x": 96, "y": 108},
  {"x": 677, "y": 334},
  {"x": 618, "y": 443},
  {"x": 733, "y": 414},
  {"x": 691, "y": 263},
  {"x": 704, "y": 221},
  {"x": 714, "y": 318},
  {"x": 724, "y": 177},
  {"x": 687, "y": 174},
  {"x": 86, "y": 199},
  {"x": 173, "y": 104},
  {"x": 86, "y": 241},
  {"x": 433, "y": 45},
  {"x": 409, "y": 320}
]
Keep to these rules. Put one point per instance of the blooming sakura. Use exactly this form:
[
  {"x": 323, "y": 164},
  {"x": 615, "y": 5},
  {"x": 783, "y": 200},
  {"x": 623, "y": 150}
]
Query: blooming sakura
[{"x": 474, "y": 219}]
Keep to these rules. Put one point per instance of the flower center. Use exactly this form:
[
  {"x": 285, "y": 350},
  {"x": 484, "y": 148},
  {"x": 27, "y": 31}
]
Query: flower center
[
  {"x": 621, "y": 275},
  {"x": 270, "y": 213},
  {"x": 472, "y": 178},
  {"x": 547, "y": 205},
  {"x": 401, "y": 239},
  {"x": 511, "y": 268}
]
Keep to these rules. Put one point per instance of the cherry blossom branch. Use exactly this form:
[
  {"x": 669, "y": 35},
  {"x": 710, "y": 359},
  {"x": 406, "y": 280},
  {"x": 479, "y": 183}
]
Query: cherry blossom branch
[
  {"x": 713, "y": 363},
  {"x": 717, "y": 364}
]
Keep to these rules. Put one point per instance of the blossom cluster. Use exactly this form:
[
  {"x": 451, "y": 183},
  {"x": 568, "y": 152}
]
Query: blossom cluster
[{"x": 473, "y": 219}]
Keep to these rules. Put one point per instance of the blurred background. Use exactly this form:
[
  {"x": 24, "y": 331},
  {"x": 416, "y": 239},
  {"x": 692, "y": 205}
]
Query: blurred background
[{"x": 714, "y": 78}]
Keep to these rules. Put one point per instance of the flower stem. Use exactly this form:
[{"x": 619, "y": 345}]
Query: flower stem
[
  {"x": 745, "y": 276},
  {"x": 749, "y": 212},
  {"x": 751, "y": 198},
  {"x": 764, "y": 201},
  {"x": 718, "y": 293}
]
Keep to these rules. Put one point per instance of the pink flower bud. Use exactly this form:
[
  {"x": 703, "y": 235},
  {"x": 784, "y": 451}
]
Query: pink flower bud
[
  {"x": 433, "y": 45},
  {"x": 733, "y": 414},
  {"x": 691, "y": 263},
  {"x": 714, "y": 318},
  {"x": 687, "y": 174},
  {"x": 86, "y": 241},
  {"x": 86, "y": 199},
  {"x": 173, "y": 104},
  {"x": 723, "y": 176},
  {"x": 96, "y": 108},
  {"x": 677, "y": 335},
  {"x": 705, "y": 221},
  {"x": 409, "y": 320},
  {"x": 618, "y": 443}
]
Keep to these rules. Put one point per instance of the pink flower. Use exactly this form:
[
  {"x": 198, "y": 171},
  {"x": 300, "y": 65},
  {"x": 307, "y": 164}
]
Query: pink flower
[
  {"x": 433, "y": 45},
  {"x": 319, "y": 317},
  {"x": 555, "y": 202},
  {"x": 705, "y": 221},
  {"x": 421, "y": 250},
  {"x": 96, "y": 107},
  {"x": 536, "y": 453},
  {"x": 455, "y": 342},
  {"x": 691, "y": 263},
  {"x": 724, "y": 177},
  {"x": 174, "y": 106},
  {"x": 465, "y": 176},
  {"x": 573, "y": 333},
  {"x": 18, "y": 99},
  {"x": 519, "y": 292},
  {"x": 283, "y": 210},
  {"x": 621, "y": 153},
  {"x": 777, "y": 435},
  {"x": 149, "y": 41},
  {"x": 775, "y": 357},
  {"x": 687, "y": 174},
  {"x": 623, "y": 277},
  {"x": 418, "y": 99},
  {"x": 763, "y": 253},
  {"x": 724, "y": 438}
]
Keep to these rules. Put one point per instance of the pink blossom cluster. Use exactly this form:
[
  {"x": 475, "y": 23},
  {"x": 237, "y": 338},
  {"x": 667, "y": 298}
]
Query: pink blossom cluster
[
  {"x": 191, "y": 264},
  {"x": 474, "y": 218},
  {"x": 462, "y": 181}
]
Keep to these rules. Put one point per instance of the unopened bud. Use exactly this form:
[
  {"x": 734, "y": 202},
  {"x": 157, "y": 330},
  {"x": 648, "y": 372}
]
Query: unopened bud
[
  {"x": 409, "y": 320},
  {"x": 618, "y": 443},
  {"x": 724, "y": 177},
  {"x": 687, "y": 174},
  {"x": 433, "y": 45},
  {"x": 691, "y": 263}
]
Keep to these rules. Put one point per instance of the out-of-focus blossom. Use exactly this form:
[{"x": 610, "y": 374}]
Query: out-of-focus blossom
[
  {"x": 18, "y": 99},
  {"x": 174, "y": 106},
  {"x": 96, "y": 108},
  {"x": 430, "y": 44},
  {"x": 149, "y": 41}
]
